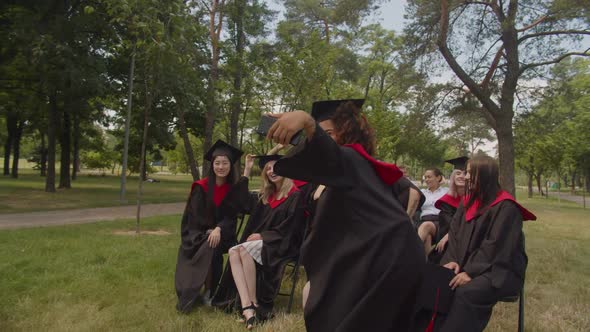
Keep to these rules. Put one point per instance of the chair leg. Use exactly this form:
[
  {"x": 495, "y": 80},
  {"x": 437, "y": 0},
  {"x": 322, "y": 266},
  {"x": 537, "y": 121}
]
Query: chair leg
[
  {"x": 521, "y": 311},
  {"x": 295, "y": 279}
]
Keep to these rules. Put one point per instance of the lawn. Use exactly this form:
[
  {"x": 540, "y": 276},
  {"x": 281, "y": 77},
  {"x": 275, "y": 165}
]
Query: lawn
[
  {"x": 27, "y": 193},
  {"x": 84, "y": 277}
]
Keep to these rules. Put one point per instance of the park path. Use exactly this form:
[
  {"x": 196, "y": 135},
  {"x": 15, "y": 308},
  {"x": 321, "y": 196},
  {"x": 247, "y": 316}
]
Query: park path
[
  {"x": 84, "y": 216},
  {"x": 569, "y": 197}
]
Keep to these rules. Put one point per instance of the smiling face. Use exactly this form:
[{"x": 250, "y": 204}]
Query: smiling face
[
  {"x": 270, "y": 175},
  {"x": 432, "y": 181},
  {"x": 221, "y": 166},
  {"x": 459, "y": 178},
  {"x": 328, "y": 127}
]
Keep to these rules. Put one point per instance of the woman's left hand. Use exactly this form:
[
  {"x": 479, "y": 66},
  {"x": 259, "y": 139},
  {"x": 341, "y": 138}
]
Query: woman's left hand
[
  {"x": 254, "y": 237},
  {"x": 214, "y": 237},
  {"x": 460, "y": 280}
]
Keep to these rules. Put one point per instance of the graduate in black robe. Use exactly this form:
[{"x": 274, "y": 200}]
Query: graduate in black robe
[
  {"x": 363, "y": 257},
  {"x": 448, "y": 205},
  {"x": 208, "y": 227},
  {"x": 279, "y": 224},
  {"x": 485, "y": 249},
  {"x": 409, "y": 195}
]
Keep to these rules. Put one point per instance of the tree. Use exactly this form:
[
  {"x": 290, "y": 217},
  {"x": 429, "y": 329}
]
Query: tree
[{"x": 504, "y": 43}]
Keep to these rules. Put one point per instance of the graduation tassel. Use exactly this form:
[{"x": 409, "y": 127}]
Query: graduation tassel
[{"x": 430, "y": 327}]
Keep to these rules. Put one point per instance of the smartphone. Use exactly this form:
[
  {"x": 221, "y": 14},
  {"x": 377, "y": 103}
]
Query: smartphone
[{"x": 267, "y": 121}]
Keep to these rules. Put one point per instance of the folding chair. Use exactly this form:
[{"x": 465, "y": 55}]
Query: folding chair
[
  {"x": 295, "y": 264},
  {"x": 520, "y": 299}
]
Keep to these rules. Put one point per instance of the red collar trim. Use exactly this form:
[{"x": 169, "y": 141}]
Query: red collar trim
[
  {"x": 273, "y": 203},
  {"x": 448, "y": 199},
  {"x": 299, "y": 183},
  {"x": 502, "y": 196},
  {"x": 219, "y": 192},
  {"x": 389, "y": 173}
]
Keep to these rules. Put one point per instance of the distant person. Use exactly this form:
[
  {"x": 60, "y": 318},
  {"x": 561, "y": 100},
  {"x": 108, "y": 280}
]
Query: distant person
[
  {"x": 428, "y": 227},
  {"x": 363, "y": 257},
  {"x": 208, "y": 228}
]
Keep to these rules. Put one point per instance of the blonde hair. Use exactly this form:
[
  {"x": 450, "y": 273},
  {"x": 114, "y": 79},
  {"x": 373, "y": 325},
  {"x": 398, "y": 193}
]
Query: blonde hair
[{"x": 268, "y": 188}]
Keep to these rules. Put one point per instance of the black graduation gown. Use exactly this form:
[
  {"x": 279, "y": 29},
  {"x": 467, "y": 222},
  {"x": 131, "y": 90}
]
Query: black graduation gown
[
  {"x": 490, "y": 249},
  {"x": 448, "y": 207},
  {"x": 195, "y": 256},
  {"x": 362, "y": 257},
  {"x": 281, "y": 228},
  {"x": 401, "y": 191}
]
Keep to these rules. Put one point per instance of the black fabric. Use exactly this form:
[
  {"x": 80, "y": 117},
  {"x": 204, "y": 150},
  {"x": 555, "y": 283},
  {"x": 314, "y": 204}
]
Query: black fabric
[
  {"x": 436, "y": 279},
  {"x": 362, "y": 257},
  {"x": 233, "y": 154},
  {"x": 458, "y": 163},
  {"x": 195, "y": 256},
  {"x": 401, "y": 191},
  {"x": 262, "y": 160},
  {"x": 444, "y": 222},
  {"x": 281, "y": 229}
]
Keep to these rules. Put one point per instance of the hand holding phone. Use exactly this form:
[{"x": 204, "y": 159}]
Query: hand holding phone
[{"x": 267, "y": 121}]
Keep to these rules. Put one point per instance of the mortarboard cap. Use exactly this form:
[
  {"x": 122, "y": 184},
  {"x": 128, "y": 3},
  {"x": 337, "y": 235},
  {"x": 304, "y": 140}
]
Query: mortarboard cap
[
  {"x": 262, "y": 160},
  {"x": 458, "y": 163},
  {"x": 222, "y": 148},
  {"x": 323, "y": 110}
]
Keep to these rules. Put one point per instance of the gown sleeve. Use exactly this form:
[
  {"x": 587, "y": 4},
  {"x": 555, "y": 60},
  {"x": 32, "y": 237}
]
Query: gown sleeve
[
  {"x": 288, "y": 231},
  {"x": 451, "y": 254},
  {"x": 319, "y": 160},
  {"x": 445, "y": 217},
  {"x": 495, "y": 256},
  {"x": 193, "y": 224}
]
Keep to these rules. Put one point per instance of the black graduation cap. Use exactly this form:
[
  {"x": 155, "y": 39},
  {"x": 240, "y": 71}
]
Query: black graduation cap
[
  {"x": 262, "y": 160},
  {"x": 324, "y": 109},
  {"x": 458, "y": 163},
  {"x": 231, "y": 152}
]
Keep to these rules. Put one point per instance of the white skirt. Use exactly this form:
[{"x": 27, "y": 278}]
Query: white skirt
[{"x": 254, "y": 248}]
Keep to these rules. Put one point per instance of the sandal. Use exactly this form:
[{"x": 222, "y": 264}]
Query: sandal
[{"x": 250, "y": 322}]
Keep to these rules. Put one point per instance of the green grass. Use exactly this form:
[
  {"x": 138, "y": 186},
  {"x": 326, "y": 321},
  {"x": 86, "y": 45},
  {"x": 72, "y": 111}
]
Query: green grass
[
  {"x": 85, "y": 278},
  {"x": 27, "y": 193}
]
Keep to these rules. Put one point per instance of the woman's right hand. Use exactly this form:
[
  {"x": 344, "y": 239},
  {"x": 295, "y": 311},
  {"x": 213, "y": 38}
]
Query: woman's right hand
[
  {"x": 288, "y": 124},
  {"x": 440, "y": 246},
  {"x": 453, "y": 266},
  {"x": 249, "y": 164}
]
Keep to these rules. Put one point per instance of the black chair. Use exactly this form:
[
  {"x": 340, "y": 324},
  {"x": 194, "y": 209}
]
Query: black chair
[
  {"x": 520, "y": 299},
  {"x": 294, "y": 264}
]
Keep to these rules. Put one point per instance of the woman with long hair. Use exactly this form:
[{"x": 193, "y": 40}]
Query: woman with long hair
[
  {"x": 208, "y": 228},
  {"x": 486, "y": 249},
  {"x": 271, "y": 238},
  {"x": 429, "y": 227},
  {"x": 362, "y": 257}
]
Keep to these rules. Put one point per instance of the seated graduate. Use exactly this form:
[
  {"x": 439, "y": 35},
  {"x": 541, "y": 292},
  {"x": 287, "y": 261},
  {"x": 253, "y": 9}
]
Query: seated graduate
[
  {"x": 448, "y": 205},
  {"x": 362, "y": 257},
  {"x": 271, "y": 238},
  {"x": 429, "y": 225},
  {"x": 485, "y": 250},
  {"x": 208, "y": 228}
]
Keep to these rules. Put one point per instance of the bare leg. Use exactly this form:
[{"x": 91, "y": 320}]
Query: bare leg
[
  {"x": 305, "y": 293},
  {"x": 426, "y": 232},
  {"x": 237, "y": 271},
  {"x": 249, "y": 269}
]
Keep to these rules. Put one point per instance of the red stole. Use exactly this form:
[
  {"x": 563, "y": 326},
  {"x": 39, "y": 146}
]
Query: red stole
[
  {"x": 389, "y": 173},
  {"x": 502, "y": 195},
  {"x": 448, "y": 199},
  {"x": 219, "y": 192},
  {"x": 273, "y": 203}
]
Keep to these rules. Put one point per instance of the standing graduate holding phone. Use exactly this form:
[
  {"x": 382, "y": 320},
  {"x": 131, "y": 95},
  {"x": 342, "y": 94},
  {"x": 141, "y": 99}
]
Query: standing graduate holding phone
[{"x": 363, "y": 257}]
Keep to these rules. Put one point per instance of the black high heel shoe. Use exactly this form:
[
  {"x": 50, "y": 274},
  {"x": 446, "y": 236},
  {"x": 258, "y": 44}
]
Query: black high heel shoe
[{"x": 250, "y": 322}]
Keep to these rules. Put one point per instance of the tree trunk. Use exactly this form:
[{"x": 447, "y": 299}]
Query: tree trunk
[
  {"x": 530, "y": 184},
  {"x": 539, "y": 186},
  {"x": 76, "y": 138},
  {"x": 142, "y": 163},
  {"x": 127, "y": 123},
  {"x": 187, "y": 144},
  {"x": 573, "y": 183},
  {"x": 11, "y": 124},
  {"x": 506, "y": 153},
  {"x": 16, "y": 148},
  {"x": 51, "y": 129},
  {"x": 65, "y": 144},
  {"x": 237, "y": 100}
]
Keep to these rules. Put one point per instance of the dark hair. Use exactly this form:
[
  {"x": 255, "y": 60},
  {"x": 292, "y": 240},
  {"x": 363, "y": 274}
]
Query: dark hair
[
  {"x": 483, "y": 183},
  {"x": 232, "y": 178},
  {"x": 352, "y": 127},
  {"x": 436, "y": 172}
]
